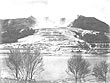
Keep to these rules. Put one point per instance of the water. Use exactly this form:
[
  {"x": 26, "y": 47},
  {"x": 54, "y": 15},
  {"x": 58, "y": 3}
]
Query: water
[{"x": 55, "y": 66}]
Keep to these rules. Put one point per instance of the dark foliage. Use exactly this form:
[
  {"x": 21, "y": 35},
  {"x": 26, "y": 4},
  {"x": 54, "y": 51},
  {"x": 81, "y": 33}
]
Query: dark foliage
[
  {"x": 96, "y": 38},
  {"x": 25, "y": 33},
  {"x": 13, "y": 35},
  {"x": 13, "y": 29},
  {"x": 84, "y": 46},
  {"x": 90, "y": 23}
]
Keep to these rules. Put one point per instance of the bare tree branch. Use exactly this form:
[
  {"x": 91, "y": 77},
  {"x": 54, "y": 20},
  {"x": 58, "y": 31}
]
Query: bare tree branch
[{"x": 79, "y": 67}]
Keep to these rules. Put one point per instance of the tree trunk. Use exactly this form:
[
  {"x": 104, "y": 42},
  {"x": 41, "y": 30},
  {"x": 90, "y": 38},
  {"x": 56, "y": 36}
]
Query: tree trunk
[
  {"x": 26, "y": 78},
  {"x": 105, "y": 77},
  {"x": 31, "y": 76},
  {"x": 105, "y": 80},
  {"x": 31, "y": 73},
  {"x": 80, "y": 80},
  {"x": 16, "y": 73},
  {"x": 75, "y": 79}
]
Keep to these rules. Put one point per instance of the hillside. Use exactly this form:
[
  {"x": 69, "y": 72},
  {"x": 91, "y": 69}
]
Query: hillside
[
  {"x": 54, "y": 40},
  {"x": 94, "y": 25},
  {"x": 90, "y": 23},
  {"x": 13, "y": 29}
]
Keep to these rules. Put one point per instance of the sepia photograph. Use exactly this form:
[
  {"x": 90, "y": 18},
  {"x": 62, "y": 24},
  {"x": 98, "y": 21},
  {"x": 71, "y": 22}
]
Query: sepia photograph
[{"x": 55, "y": 41}]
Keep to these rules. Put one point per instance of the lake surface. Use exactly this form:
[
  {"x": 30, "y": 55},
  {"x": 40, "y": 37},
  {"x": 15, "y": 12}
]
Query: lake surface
[{"x": 55, "y": 66}]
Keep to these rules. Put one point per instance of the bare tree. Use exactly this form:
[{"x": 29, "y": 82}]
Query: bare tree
[
  {"x": 79, "y": 67},
  {"x": 100, "y": 71},
  {"x": 24, "y": 64},
  {"x": 32, "y": 63},
  {"x": 14, "y": 62}
]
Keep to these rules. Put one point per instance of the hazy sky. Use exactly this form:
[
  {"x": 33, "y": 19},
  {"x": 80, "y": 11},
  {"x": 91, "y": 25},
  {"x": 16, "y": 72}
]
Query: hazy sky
[{"x": 55, "y": 8}]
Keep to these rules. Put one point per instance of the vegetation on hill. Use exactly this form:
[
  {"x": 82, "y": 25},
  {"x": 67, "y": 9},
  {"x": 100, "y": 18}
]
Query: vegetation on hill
[
  {"x": 96, "y": 38},
  {"x": 13, "y": 29},
  {"x": 90, "y": 23}
]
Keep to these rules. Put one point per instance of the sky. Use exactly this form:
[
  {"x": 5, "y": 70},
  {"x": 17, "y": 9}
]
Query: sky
[{"x": 55, "y": 8}]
